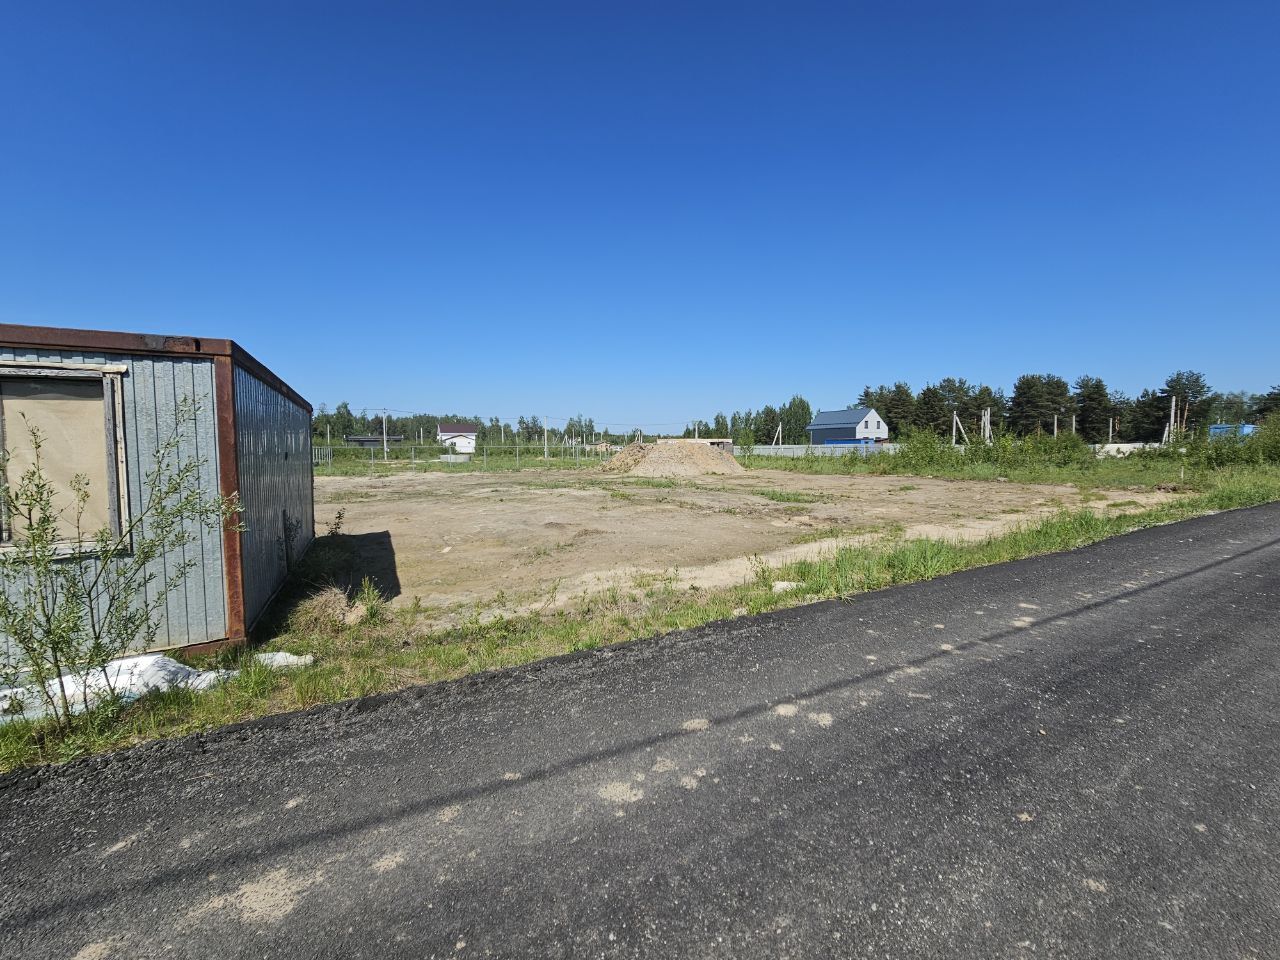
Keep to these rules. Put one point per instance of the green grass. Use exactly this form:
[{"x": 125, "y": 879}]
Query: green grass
[
  {"x": 1193, "y": 472},
  {"x": 389, "y": 648},
  {"x": 1193, "y": 463},
  {"x": 788, "y": 496},
  {"x": 1110, "y": 473}
]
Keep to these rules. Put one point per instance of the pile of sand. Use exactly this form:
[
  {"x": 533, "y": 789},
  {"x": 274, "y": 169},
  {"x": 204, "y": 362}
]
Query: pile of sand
[{"x": 671, "y": 460}]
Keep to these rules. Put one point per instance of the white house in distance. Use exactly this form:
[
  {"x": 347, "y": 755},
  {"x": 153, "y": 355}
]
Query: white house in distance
[
  {"x": 854, "y": 425},
  {"x": 460, "y": 436}
]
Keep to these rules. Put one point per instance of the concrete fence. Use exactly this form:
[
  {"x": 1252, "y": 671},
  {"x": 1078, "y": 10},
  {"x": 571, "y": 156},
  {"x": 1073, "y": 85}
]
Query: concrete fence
[
  {"x": 796, "y": 450},
  {"x": 809, "y": 450}
]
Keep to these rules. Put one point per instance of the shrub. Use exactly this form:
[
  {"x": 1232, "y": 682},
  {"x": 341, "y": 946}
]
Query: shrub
[
  {"x": 71, "y": 604},
  {"x": 1265, "y": 442}
]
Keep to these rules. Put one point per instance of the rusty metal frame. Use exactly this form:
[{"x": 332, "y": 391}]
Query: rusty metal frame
[
  {"x": 107, "y": 341},
  {"x": 224, "y": 401}
]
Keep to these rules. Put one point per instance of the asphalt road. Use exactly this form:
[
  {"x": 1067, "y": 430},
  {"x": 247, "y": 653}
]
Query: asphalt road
[{"x": 1071, "y": 756}]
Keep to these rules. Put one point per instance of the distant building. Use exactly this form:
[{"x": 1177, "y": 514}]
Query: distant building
[
  {"x": 854, "y": 425},
  {"x": 460, "y": 436}
]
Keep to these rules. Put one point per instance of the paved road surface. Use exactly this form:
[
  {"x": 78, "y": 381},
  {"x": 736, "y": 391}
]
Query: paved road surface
[{"x": 1074, "y": 756}]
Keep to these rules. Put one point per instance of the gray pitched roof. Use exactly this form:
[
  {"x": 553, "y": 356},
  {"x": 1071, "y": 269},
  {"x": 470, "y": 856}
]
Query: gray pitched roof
[{"x": 840, "y": 418}]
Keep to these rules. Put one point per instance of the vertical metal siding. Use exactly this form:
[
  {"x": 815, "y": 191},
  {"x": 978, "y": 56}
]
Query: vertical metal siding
[
  {"x": 273, "y": 444},
  {"x": 152, "y": 390}
]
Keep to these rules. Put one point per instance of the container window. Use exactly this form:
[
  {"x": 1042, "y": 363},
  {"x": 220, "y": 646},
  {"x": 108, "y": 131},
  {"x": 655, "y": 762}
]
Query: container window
[{"x": 76, "y": 421}]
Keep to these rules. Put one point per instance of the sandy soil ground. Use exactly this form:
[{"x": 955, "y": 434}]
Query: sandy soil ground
[{"x": 515, "y": 540}]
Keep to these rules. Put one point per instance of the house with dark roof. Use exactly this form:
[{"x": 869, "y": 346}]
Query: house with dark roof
[
  {"x": 852, "y": 425},
  {"x": 460, "y": 436}
]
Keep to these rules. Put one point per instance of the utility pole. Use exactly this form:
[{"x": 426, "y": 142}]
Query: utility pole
[
  {"x": 1055, "y": 424},
  {"x": 328, "y": 438},
  {"x": 546, "y": 450}
]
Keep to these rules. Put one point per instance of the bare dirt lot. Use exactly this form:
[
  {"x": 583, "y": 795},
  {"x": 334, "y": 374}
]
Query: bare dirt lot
[{"x": 522, "y": 539}]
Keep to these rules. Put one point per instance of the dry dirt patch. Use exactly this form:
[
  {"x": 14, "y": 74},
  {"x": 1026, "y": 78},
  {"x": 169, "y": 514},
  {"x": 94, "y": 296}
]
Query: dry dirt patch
[{"x": 533, "y": 537}]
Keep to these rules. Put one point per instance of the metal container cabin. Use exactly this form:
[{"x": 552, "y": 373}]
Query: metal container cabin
[{"x": 250, "y": 431}]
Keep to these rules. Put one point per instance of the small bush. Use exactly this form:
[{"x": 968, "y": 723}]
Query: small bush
[
  {"x": 370, "y": 597},
  {"x": 1265, "y": 443}
]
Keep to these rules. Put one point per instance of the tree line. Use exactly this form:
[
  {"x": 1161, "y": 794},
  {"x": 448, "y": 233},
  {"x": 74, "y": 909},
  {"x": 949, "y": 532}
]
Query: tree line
[
  {"x": 1096, "y": 412},
  {"x": 332, "y": 426},
  {"x": 1038, "y": 398}
]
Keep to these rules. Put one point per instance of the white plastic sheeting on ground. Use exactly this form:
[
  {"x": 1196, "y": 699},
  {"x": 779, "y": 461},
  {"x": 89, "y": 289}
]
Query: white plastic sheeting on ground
[
  {"x": 279, "y": 660},
  {"x": 128, "y": 678}
]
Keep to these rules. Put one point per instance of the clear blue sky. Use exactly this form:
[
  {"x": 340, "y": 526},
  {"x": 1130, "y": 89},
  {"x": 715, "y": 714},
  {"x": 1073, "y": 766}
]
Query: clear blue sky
[{"x": 650, "y": 211}]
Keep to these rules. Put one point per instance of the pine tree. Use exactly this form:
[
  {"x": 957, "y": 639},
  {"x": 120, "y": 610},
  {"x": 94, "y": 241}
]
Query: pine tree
[
  {"x": 1193, "y": 393},
  {"x": 985, "y": 398},
  {"x": 1144, "y": 420},
  {"x": 957, "y": 395},
  {"x": 1230, "y": 407},
  {"x": 932, "y": 412},
  {"x": 899, "y": 409},
  {"x": 796, "y": 415},
  {"x": 1037, "y": 399},
  {"x": 1093, "y": 409},
  {"x": 1265, "y": 404},
  {"x": 766, "y": 424},
  {"x": 877, "y": 400}
]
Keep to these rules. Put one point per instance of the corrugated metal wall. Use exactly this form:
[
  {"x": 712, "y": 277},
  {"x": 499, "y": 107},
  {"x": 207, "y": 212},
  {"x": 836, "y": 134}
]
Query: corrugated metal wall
[
  {"x": 273, "y": 443},
  {"x": 152, "y": 390}
]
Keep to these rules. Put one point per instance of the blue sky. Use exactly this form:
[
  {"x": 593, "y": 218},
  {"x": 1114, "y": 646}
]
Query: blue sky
[{"x": 650, "y": 212}]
